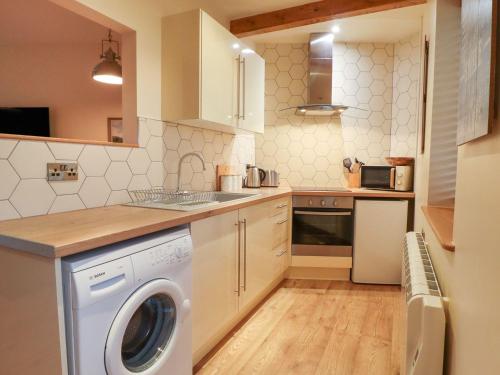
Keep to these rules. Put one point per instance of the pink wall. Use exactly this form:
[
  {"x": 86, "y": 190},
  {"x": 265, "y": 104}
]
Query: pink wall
[{"x": 59, "y": 77}]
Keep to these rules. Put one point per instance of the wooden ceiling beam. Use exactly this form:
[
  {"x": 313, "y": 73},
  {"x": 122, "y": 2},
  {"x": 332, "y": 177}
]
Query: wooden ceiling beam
[{"x": 310, "y": 13}]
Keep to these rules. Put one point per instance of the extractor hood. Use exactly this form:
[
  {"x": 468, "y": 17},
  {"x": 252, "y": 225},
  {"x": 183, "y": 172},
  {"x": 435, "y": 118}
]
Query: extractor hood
[{"x": 319, "y": 88}]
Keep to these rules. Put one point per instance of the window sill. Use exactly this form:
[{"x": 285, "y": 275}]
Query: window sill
[{"x": 441, "y": 221}]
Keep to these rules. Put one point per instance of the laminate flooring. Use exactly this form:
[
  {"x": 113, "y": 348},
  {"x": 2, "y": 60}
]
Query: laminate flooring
[{"x": 311, "y": 327}]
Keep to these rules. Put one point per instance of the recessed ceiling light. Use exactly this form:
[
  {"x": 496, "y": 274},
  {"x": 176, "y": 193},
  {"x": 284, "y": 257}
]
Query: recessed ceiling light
[{"x": 336, "y": 28}]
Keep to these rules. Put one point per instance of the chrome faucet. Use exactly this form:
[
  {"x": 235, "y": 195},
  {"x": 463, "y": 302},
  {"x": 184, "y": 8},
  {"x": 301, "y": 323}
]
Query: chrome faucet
[{"x": 180, "y": 165}]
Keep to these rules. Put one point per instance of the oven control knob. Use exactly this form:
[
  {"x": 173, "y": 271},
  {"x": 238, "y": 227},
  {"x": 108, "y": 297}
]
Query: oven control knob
[
  {"x": 334, "y": 203},
  {"x": 323, "y": 203},
  {"x": 310, "y": 202}
]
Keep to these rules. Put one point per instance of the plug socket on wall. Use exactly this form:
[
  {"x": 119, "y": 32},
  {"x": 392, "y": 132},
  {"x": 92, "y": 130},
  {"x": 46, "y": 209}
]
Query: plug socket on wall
[{"x": 62, "y": 171}]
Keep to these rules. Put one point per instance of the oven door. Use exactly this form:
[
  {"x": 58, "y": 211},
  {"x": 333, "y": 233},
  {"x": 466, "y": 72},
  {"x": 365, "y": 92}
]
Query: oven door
[{"x": 322, "y": 232}]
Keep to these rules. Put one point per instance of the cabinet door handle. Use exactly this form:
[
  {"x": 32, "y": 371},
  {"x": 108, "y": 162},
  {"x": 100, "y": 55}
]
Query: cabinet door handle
[
  {"x": 244, "y": 255},
  {"x": 281, "y": 205},
  {"x": 238, "y": 89},
  {"x": 239, "y": 259},
  {"x": 244, "y": 63},
  {"x": 282, "y": 221}
]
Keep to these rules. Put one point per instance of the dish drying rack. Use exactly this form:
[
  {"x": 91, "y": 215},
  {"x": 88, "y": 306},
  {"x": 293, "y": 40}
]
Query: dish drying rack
[{"x": 172, "y": 197}]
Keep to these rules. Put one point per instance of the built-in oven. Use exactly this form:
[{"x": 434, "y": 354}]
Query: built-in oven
[{"x": 322, "y": 226}]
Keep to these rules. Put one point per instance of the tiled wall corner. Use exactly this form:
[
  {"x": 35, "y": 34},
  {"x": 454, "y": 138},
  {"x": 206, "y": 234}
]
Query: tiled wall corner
[
  {"x": 405, "y": 96},
  {"x": 108, "y": 173},
  {"x": 216, "y": 148},
  {"x": 309, "y": 151}
]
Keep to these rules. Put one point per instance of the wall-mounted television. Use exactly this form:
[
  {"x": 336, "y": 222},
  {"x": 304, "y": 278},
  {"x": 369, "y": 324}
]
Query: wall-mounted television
[{"x": 25, "y": 121}]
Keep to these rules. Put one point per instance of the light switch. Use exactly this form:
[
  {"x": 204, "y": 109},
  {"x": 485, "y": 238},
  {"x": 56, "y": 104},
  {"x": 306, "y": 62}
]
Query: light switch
[{"x": 62, "y": 171}]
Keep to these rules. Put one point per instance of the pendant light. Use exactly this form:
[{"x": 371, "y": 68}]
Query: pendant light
[{"x": 109, "y": 69}]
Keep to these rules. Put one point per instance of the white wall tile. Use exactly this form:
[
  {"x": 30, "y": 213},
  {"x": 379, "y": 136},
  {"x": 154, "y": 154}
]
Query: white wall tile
[
  {"x": 406, "y": 91},
  {"x": 94, "y": 160},
  {"x": 94, "y": 192},
  {"x": 155, "y": 148},
  {"x": 118, "y": 197},
  {"x": 156, "y": 174},
  {"x": 65, "y": 151},
  {"x": 65, "y": 203},
  {"x": 30, "y": 159},
  {"x": 139, "y": 182},
  {"x": 117, "y": 153},
  {"x": 139, "y": 161},
  {"x": 6, "y": 147},
  {"x": 118, "y": 175},
  {"x": 7, "y": 211},
  {"x": 10, "y": 179},
  {"x": 32, "y": 197}
]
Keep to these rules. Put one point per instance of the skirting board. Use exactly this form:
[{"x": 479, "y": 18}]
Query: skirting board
[
  {"x": 321, "y": 261},
  {"x": 316, "y": 273}
]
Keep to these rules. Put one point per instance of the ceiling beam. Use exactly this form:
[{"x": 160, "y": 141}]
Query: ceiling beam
[{"x": 310, "y": 13}]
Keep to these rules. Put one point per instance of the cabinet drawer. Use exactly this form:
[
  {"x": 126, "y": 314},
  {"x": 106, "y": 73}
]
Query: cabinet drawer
[
  {"x": 281, "y": 255},
  {"x": 279, "y": 206},
  {"x": 281, "y": 223}
]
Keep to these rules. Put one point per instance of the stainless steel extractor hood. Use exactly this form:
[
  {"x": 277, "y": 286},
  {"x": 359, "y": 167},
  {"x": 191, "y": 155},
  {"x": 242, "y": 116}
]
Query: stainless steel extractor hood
[{"x": 319, "y": 89}]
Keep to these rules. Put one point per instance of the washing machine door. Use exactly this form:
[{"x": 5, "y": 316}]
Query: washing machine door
[{"x": 145, "y": 330}]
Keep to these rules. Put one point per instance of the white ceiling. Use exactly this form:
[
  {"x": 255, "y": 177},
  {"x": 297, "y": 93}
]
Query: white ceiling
[
  {"x": 382, "y": 27},
  {"x": 41, "y": 21}
]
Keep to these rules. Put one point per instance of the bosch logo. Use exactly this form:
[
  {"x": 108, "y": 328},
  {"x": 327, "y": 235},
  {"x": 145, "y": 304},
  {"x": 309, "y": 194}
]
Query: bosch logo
[{"x": 99, "y": 274}]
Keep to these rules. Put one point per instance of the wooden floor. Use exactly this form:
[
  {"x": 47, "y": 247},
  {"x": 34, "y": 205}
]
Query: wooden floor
[{"x": 316, "y": 327}]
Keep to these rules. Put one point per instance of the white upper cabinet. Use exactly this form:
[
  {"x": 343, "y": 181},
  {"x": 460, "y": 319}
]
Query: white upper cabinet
[
  {"x": 251, "y": 101},
  {"x": 210, "y": 79}
]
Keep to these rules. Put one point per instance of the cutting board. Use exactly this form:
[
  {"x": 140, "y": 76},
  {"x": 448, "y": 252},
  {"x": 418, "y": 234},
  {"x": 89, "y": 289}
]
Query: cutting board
[{"x": 224, "y": 170}]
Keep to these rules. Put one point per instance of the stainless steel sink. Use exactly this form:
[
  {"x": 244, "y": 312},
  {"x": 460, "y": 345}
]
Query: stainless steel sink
[{"x": 184, "y": 201}]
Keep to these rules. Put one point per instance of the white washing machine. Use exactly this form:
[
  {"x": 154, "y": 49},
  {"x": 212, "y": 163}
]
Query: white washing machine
[{"x": 127, "y": 307}]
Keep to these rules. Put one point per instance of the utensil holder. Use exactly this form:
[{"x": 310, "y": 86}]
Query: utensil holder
[{"x": 354, "y": 180}]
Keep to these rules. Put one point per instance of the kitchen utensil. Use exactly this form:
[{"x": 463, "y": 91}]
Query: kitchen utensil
[
  {"x": 231, "y": 183},
  {"x": 271, "y": 178},
  {"x": 356, "y": 167},
  {"x": 254, "y": 177},
  {"x": 359, "y": 162},
  {"x": 347, "y": 164}
]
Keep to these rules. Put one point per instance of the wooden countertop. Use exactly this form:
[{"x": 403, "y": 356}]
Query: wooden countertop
[
  {"x": 360, "y": 193},
  {"x": 68, "y": 233}
]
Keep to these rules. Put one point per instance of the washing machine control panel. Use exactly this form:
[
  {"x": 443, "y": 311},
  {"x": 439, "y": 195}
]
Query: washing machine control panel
[
  {"x": 162, "y": 257},
  {"x": 171, "y": 252}
]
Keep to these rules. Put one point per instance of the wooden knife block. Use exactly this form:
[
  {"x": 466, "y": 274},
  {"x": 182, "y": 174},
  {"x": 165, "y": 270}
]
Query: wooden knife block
[{"x": 354, "y": 180}]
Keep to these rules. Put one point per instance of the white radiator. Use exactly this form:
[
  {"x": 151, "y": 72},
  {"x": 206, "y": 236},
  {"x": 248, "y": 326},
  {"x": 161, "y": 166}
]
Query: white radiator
[{"x": 424, "y": 326}]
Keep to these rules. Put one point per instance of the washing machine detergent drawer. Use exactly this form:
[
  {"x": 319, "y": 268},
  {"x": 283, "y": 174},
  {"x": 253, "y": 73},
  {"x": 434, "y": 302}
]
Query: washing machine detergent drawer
[{"x": 98, "y": 283}]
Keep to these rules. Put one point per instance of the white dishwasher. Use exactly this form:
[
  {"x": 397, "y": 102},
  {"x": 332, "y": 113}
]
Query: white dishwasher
[{"x": 379, "y": 232}]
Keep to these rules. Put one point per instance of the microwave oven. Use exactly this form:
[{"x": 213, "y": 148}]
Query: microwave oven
[{"x": 399, "y": 178}]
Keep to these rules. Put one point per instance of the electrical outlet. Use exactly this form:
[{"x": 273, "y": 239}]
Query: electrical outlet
[{"x": 62, "y": 171}]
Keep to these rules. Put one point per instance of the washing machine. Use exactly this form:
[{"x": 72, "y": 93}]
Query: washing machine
[{"x": 127, "y": 307}]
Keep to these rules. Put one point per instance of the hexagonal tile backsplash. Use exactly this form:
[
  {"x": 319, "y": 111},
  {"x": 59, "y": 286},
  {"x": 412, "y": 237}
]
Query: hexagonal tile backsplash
[
  {"x": 108, "y": 174},
  {"x": 308, "y": 151},
  {"x": 381, "y": 79}
]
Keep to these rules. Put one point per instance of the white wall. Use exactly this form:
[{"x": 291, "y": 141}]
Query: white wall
[
  {"x": 406, "y": 96},
  {"x": 308, "y": 151},
  {"x": 469, "y": 276},
  {"x": 109, "y": 173},
  {"x": 58, "y": 76}
]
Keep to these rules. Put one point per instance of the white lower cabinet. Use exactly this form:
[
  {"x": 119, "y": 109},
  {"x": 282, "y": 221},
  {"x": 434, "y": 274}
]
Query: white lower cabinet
[
  {"x": 215, "y": 302},
  {"x": 256, "y": 243},
  {"x": 236, "y": 246}
]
